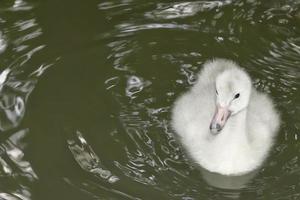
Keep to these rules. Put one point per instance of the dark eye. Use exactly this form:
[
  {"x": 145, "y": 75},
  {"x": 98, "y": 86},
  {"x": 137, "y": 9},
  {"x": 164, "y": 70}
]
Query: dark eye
[
  {"x": 237, "y": 95},
  {"x": 217, "y": 92}
]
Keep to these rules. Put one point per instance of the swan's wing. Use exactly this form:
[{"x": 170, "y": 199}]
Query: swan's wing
[
  {"x": 192, "y": 113},
  {"x": 263, "y": 119}
]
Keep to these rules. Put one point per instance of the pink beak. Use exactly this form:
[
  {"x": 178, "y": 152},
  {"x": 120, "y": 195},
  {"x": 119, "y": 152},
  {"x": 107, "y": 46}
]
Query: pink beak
[{"x": 219, "y": 120}]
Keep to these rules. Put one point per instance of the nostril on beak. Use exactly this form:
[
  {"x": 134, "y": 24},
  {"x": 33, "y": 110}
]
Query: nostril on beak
[
  {"x": 222, "y": 119},
  {"x": 218, "y": 127}
]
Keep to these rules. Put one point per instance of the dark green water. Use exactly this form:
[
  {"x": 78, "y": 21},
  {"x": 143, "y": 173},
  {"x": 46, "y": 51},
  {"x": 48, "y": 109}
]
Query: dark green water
[{"x": 87, "y": 87}]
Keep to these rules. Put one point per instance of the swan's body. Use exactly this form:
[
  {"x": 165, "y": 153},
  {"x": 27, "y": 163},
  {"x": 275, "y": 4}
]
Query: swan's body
[{"x": 234, "y": 146}]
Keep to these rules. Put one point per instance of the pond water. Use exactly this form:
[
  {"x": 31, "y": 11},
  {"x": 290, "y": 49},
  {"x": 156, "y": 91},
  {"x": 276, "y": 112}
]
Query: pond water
[{"x": 86, "y": 89}]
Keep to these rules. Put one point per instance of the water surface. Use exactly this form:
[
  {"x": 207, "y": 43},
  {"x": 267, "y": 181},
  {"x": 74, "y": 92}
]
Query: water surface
[{"x": 86, "y": 89}]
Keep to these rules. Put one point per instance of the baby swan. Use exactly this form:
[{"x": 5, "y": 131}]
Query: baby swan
[{"x": 225, "y": 125}]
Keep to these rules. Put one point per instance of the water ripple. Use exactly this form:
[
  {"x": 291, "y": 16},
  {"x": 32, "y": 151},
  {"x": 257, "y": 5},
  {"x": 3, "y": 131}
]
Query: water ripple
[
  {"x": 20, "y": 5},
  {"x": 87, "y": 159},
  {"x": 16, "y": 174},
  {"x": 266, "y": 43},
  {"x": 184, "y": 9},
  {"x": 19, "y": 74},
  {"x": 135, "y": 85},
  {"x": 127, "y": 28},
  {"x": 3, "y": 43},
  {"x": 155, "y": 50}
]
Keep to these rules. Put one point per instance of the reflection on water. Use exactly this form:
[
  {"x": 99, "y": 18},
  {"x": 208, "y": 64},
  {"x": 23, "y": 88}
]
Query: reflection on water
[
  {"x": 20, "y": 5},
  {"x": 231, "y": 187},
  {"x": 150, "y": 52},
  {"x": 13, "y": 95},
  {"x": 135, "y": 85},
  {"x": 227, "y": 182},
  {"x": 14, "y": 91},
  {"x": 251, "y": 32},
  {"x": 16, "y": 174},
  {"x": 185, "y": 9},
  {"x": 87, "y": 159},
  {"x": 18, "y": 78},
  {"x": 3, "y": 43}
]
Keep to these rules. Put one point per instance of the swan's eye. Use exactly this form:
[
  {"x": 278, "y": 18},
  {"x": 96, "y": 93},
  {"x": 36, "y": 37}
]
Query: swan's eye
[
  {"x": 217, "y": 92},
  {"x": 237, "y": 95}
]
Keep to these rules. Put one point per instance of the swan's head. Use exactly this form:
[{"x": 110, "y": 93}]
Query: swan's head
[{"x": 233, "y": 89}]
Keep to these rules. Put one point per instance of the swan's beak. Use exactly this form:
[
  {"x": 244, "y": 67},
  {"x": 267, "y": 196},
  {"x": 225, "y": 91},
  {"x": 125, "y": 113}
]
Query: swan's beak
[{"x": 219, "y": 119}]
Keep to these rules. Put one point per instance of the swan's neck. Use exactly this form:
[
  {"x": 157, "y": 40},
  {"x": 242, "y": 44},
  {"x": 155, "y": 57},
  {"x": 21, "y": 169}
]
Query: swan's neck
[
  {"x": 235, "y": 129},
  {"x": 237, "y": 122}
]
